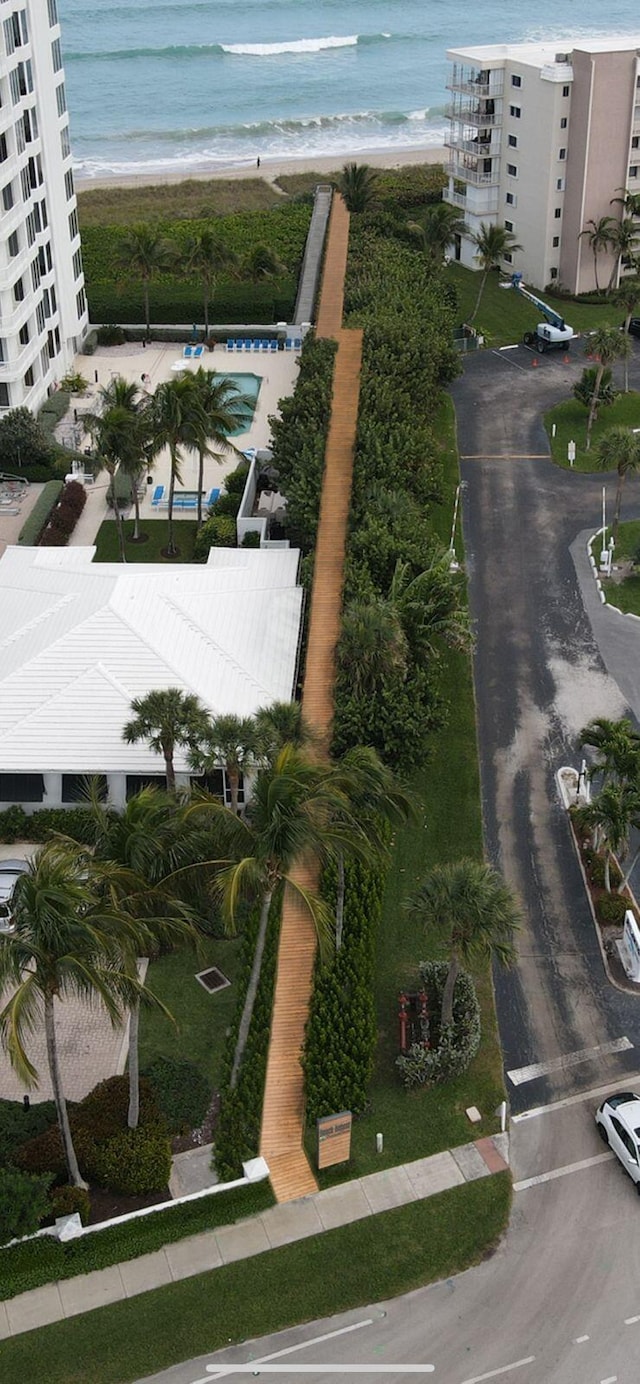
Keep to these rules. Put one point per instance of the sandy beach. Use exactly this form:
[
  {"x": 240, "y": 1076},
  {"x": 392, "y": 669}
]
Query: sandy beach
[{"x": 270, "y": 169}]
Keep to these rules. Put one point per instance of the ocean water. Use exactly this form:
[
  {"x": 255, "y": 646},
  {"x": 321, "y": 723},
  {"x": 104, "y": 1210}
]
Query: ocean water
[{"x": 177, "y": 85}]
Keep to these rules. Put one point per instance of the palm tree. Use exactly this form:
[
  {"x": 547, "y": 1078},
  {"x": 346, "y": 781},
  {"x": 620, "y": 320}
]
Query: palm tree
[
  {"x": 628, "y": 296},
  {"x": 612, "y": 815},
  {"x": 230, "y": 742},
  {"x": 278, "y": 725},
  {"x": 207, "y": 254},
  {"x": 167, "y": 718},
  {"x": 607, "y": 344},
  {"x": 492, "y": 243},
  {"x": 357, "y": 184},
  {"x": 431, "y": 606},
  {"x": 629, "y": 200},
  {"x": 261, "y": 262},
  {"x": 115, "y": 437},
  {"x": 372, "y": 644},
  {"x": 624, "y": 243},
  {"x": 599, "y": 235},
  {"x": 64, "y": 945},
  {"x": 618, "y": 449},
  {"x": 124, "y": 395},
  {"x": 472, "y": 904},
  {"x": 222, "y": 411},
  {"x": 584, "y": 389},
  {"x": 617, "y": 744},
  {"x": 135, "y": 851},
  {"x": 378, "y": 801},
  {"x": 299, "y": 809},
  {"x": 143, "y": 253},
  {"x": 437, "y": 229},
  {"x": 177, "y": 419}
]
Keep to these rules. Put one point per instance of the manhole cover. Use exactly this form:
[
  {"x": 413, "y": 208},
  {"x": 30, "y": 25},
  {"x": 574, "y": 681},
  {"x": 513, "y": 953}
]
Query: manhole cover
[{"x": 212, "y": 979}]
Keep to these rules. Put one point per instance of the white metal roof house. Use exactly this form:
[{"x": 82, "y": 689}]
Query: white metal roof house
[{"x": 79, "y": 640}]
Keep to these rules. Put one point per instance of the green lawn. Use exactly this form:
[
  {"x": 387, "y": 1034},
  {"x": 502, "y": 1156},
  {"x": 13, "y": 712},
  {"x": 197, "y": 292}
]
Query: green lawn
[
  {"x": 570, "y": 418},
  {"x": 202, "y": 1019},
  {"x": 418, "y": 1123},
  {"x": 125, "y": 206},
  {"x": 625, "y": 594},
  {"x": 157, "y": 538},
  {"x": 361, "y": 1263},
  {"x": 504, "y": 316}
]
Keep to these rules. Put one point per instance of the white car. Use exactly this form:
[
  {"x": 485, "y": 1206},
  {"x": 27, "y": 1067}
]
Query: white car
[
  {"x": 618, "y": 1122},
  {"x": 10, "y": 872}
]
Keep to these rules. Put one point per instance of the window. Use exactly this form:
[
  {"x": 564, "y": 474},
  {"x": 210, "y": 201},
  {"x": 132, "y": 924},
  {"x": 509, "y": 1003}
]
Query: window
[
  {"x": 635, "y": 142},
  {"x": 61, "y": 100},
  {"x": 21, "y": 788},
  {"x": 516, "y": 81},
  {"x": 54, "y": 303},
  {"x": 136, "y": 782},
  {"x": 515, "y": 112},
  {"x": 44, "y": 359},
  {"x": 560, "y": 184},
  {"x": 56, "y": 55},
  {"x": 563, "y": 123},
  {"x": 3, "y": 353},
  {"x": 14, "y": 244},
  {"x": 74, "y": 788},
  {"x": 43, "y": 214},
  {"x": 4, "y": 152},
  {"x": 73, "y": 224},
  {"x": 77, "y": 264},
  {"x": 562, "y": 153},
  {"x": 53, "y": 12},
  {"x": 46, "y": 302},
  {"x": 35, "y": 274},
  {"x": 513, "y": 141},
  {"x": 9, "y": 37},
  {"x": 558, "y": 213},
  {"x": 512, "y": 170},
  {"x": 565, "y": 90},
  {"x": 42, "y": 263},
  {"x": 553, "y": 273},
  {"x": 633, "y": 171},
  {"x": 25, "y": 184},
  {"x": 508, "y": 257},
  {"x": 18, "y": 291},
  {"x": 64, "y": 142},
  {"x": 81, "y": 303},
  {"x": 47, "y": 250},
  {"x": 5, "y": 402},
  {"x": 508, "y": 225},
  {"x": 40, "y": 317},
  {"x": 68, "y": 184},
  {"x": 556, "y": 241},
  {"x": 7, "y": 196},
  {"x": 510, "y": 200},
  {"x": 24, "y": 334}
]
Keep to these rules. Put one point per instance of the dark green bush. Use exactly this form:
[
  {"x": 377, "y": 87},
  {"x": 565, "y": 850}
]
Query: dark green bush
[
  {"x": 341, "y": 1032},
  {"x": 14, "y": 824},
  {"x": 299, "y": 438},
  {"x": 227, "y": 504},
  {"x": 95, "y": 1122},
  {"x": 134, "y": 1162},
  {"x": 611, "y": 909},
  {"x": 217, "y": 532},
  {"x": 453, "y": 1046},
  {"x": 23, "y": 1203},
  {"x": 110, "y": 336},
  {"x": 17, "y": 1125},
  {"x": 65, "y": 516},
  {"x": 39, "y": 826},
  {"x": 69, "y": 1201},
  {"x": 594, "y": 866},
  {"x": 53, "y": 411},
  {"x": 234, "y": 483},
  {"x": 45, "y": 504},
  {"x": 251, "y": 539},
  {"x": 182, "y": 1093}
]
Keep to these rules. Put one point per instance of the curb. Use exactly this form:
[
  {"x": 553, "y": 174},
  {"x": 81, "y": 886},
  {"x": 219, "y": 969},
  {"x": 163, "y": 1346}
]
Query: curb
[{"x": 626, "y": 614}]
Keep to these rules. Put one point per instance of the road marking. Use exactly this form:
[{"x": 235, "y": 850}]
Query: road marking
[
  {"x": 219, "y": 1371},
  {"x": 570, "y": 1059},
  {"x": 572, "y": 1100},
  {"x": 255, "y": 1367},
  {"x": 562, "y": 1172},
  {"x": 505, "y": 456},
  {"x": 580, "y": 1340},
  {"x": 613, "y": 1379},
  {"x": 510, "y": 362},
  {"x": 504, "y": 1369},
  {"x": 631, "y": 1321}
]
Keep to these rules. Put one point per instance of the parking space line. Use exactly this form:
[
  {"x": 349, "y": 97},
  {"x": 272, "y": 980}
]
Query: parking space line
[
  {"x": 518, "y": 1075},
  {"x": 567, "y": 1101},
  {"x": 562, "y": 1172}
]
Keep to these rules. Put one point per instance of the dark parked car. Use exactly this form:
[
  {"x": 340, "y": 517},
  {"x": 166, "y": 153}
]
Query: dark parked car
[{"x": 634, "y": 326}]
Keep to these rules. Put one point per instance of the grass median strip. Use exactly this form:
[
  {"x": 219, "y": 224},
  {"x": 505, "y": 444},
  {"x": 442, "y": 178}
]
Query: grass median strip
[{"x": 364, "y": 1262}]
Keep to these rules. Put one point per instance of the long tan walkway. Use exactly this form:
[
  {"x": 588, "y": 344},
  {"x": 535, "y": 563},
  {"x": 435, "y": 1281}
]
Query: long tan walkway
[{"x": 283, "y": 1112}]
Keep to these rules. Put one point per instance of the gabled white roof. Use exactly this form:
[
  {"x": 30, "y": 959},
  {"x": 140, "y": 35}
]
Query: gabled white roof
[{"x": 79, "y": 640}]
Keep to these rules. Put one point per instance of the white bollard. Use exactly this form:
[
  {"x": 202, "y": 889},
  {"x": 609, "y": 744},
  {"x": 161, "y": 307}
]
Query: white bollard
[{"x": 379, "y": 1143}]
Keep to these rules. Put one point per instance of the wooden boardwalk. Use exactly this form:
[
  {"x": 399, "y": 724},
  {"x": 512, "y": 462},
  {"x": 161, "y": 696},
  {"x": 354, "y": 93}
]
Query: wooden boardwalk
[{"x": 283, "y": 1112}]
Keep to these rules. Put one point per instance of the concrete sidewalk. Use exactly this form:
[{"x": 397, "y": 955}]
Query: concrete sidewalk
[{"x": 280, "y": 1225}]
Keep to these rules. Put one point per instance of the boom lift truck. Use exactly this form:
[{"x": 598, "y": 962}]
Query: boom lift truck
[{"x": 553, "y": 332}]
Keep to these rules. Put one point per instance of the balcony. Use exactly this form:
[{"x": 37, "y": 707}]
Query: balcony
[
  {"x": 482, "y": 148},
  {"x": 472, "y": 82},
  {"x": 474, "y": 115},
  {"x": 481, "y": 203},
  {"x": 464, "y": 172}
]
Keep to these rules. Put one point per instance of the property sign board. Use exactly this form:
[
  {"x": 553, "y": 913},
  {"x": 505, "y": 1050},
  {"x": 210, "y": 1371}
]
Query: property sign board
[{"x": 334, "y": 1139}]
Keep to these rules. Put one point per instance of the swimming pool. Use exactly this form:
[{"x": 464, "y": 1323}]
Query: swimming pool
[{"x": 249, "y": 385}]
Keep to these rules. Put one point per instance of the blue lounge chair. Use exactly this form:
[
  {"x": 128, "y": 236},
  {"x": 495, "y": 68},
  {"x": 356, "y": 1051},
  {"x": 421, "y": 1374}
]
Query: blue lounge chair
[
  {"x": 288, "y": 345},
  {"x": 187, "y": 352},
  {"x": 273, "y": 346},
  {"x": 231, "y": 345},
  {"x": 264, "y": 345},
  {"x": 297, "y": 343},
  {"x": 158, "y": 495},
  {"x": 255, "y": 344},
  {"x": 212, "y": 496},
  {"x": 197, "y": 352}
]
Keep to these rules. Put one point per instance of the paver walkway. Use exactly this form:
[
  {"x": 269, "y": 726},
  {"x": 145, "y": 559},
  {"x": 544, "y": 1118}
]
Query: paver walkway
[
  {"x": 280, "y": 1225},
  {"x": 283, "y": 1111}
]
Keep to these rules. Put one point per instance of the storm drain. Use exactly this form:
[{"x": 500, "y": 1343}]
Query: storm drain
[{"x": 213, "y": 979}]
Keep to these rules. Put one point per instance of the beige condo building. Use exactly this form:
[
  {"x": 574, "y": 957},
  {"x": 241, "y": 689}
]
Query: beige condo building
[{"x": 541, "y": 138}]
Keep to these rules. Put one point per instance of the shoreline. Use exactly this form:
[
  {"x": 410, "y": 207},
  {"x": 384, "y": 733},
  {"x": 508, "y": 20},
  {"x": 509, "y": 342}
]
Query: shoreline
[{"x": 270, "y": 169}]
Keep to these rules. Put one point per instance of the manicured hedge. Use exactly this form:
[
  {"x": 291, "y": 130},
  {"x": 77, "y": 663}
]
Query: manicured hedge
[
  {"x": 237, "y": 1133},
  {"x": 27, "y": 1266},
  {"x": 341, "y": 1033},
  {"x": 32, "y": 528},
  {"x": 299, "y": 437},
  {"x": 180, "y": 302},
  {"x": 18, "y": 825},
  {"x": 53, "y": 410},
  {"x": 64, "y": 516}
]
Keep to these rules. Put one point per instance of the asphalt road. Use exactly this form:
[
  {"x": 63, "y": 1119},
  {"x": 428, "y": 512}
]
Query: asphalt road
[{"x": 559, "y": 1303}]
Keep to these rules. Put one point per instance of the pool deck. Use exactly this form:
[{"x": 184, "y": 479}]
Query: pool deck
[{"x": 277, "y": 373}]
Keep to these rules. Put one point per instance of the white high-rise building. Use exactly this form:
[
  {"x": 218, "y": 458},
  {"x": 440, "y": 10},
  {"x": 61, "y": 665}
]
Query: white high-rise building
[
  {"x": 544, "y": 139},
  {"x": 43, "y": 308}
]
